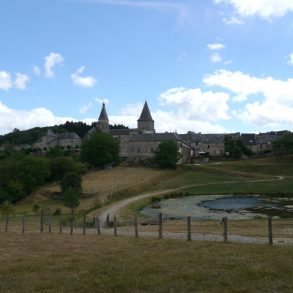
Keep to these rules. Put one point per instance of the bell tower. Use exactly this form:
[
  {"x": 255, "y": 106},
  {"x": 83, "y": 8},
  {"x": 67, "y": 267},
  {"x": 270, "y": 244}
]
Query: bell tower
[
  {"x": 103, "y": 122},
  {"x": 145, "y": 121}
]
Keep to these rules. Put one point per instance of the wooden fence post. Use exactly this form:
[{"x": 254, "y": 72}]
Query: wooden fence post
[
  {"x": 49, "y": 222},
  {"x": 60, "y": 227},
  {"x": 189, "y": 228},
  {"x": 108, "y": 220},
  {"x": 115, "y": 226},
  {"x": 42, "y": 221},
  {"x": 71, "y": 225},
  {"x": 270, "y": 230},
  {"x": 97, "y": 223},
  {"x": 160, "y": 226},
  {"x": 84, "y": 224},
  {"x": 135, "y": 228},
  {"x": 225, "y": 225},
  {"x": 23, "y": 224}
]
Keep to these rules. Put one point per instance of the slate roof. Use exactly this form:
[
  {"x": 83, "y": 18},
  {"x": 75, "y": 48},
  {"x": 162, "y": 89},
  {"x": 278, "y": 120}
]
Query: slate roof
[
  {"x": 154, "y": 137},
  {"x": 145, "y": 114},
  {"x": 248, "y": 138},
  {"x": 123, "y": 131},
  {"x": 203, "y": 138},
  {"x": 103, "y": 114}
]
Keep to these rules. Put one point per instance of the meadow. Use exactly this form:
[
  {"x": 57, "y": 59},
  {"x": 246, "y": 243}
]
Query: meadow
[
  {"x": 53, "y": 262},
  {"x": 64, "y": 263}
]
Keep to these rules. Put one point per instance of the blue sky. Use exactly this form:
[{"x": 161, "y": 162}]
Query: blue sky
[{"x": 207, "y": 66}]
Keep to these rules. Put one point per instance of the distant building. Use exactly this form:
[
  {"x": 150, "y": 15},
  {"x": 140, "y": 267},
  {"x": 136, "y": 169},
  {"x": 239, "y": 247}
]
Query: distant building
[
  {"x": 66, "y": 140},
  {"x": 211, "y": 145},
  {"x": 141, "y": 142}
]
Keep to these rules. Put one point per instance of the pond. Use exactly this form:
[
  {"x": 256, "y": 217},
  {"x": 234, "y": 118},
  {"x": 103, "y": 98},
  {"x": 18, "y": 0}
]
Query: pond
[{"x": 214, "y": 207}]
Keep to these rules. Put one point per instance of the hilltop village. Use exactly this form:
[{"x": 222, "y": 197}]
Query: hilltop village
[{"x": 139, "y": 143}]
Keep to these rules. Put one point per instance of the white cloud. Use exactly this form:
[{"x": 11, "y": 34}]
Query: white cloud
[
  {"x": 216, "y": 46},
  {"x": 245, "y": 84},
  {"x": 173, "y": 121},
  {"x": 166, "y": 120},
  {"x": 37, "y": 70},
  {"x": 290, "y": 61},
  {"x": 21, "y": 81},
  {"x": 5, "y": 81},
  {"x": 83, "y": 81},
  {"x": 197, "y": 105},
  {"x": 274, "y": 105},
  {"x": 269, "y": 114},
  {"x": 233, "y": 20},
  {"x": 51, "y": 61},
  {"x": 216, "y": 57},
  {"x": 264, "y": 8},
  {"x": 85, "y": 108},
  {"x": 21, "y": 119}
]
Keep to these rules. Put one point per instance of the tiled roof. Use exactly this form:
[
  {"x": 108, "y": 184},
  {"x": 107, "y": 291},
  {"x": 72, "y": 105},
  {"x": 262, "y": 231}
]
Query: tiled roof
[
  {"x": 154, "y": 137},
  {"x": 145, "y": 114},
  {"x": 103, "y": 114}
]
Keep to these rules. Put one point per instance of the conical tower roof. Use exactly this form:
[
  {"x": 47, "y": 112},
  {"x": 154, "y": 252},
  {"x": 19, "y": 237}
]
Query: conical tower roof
[
  {"x": 145, "y": 114},
  {"x": 103, "y": 114}
]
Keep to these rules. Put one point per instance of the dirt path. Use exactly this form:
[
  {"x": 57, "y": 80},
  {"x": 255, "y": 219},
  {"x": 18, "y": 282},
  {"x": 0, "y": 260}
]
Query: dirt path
[{"x": 112, "y": 210}]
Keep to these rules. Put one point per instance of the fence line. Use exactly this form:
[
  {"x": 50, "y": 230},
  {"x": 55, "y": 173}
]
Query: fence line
[{"x": 159, "y": 223}]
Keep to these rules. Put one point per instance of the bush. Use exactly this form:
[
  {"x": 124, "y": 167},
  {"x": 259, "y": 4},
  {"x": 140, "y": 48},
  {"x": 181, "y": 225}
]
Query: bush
[{"x": 167, "y": 154}]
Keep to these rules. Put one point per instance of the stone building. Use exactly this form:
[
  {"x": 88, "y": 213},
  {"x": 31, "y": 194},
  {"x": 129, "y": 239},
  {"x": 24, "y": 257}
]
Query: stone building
[
  {"x": 209, "y": 145},
  {"x": 66, "y": 140},
  {"x": 141, "y": 142}
]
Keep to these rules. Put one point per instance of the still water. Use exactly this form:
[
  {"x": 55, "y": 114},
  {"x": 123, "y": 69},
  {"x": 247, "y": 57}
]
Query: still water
[{"x": 214, "y": 207}]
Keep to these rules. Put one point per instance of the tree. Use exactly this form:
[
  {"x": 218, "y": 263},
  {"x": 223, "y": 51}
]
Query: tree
[
  {"x": 100, "y": 150},
  {"x": 71, "y": 199},
  {"x": 236, "y": 148},
  {"x": 167, "y": 154},
  {"x": 284, "y": 145},
  {"x": 72, "y": 181},
  {"x": 61, "y": 165},
  {"x": 71, "y": 190}
]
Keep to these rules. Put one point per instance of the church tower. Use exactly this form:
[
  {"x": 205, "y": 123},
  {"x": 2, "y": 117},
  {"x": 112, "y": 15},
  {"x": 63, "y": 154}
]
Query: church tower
[
  {"x": 103, "y": 122},
  {"x": 145, "y": 121}
]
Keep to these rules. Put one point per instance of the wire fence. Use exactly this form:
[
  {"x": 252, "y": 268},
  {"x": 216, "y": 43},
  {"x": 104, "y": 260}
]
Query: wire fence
[{"x": 267, "y": 231}]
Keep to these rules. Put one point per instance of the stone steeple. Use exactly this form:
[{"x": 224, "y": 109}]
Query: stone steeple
[
  {"x": 103, "y": 122},
  {"x": 145, "y": 121}
]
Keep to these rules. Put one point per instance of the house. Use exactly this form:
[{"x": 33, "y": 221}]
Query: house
[
  {"x": 211, "y": 145},
  {"x": 66, "y": 140}
]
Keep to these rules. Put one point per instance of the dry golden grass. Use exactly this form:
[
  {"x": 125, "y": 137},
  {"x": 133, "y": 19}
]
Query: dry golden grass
[
  {"x": 98, "y": 186},
  {"x": 64, "y": 263}
]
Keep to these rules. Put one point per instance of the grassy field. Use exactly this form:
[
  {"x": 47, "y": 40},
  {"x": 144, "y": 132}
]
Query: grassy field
[
  {"x": 98, "y": 187},
  {"x": 64, "y": 263},
  {"x": 225, "y": 178}
]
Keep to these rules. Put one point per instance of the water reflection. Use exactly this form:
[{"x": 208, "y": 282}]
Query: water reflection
[{"x": 214, "y": 207}]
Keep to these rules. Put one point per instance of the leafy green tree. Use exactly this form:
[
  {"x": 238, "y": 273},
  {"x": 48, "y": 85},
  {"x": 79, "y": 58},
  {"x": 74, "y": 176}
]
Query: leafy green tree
[
  {"x": 167, "y": 154},
  {"x": 72, "y": 181},
  {"x": 236, "y": 148},
  {"x": 100, "y": 150},
  {"x": 20, "y": 176},
  {"x": 61, "y": 165},
  {"x": 71, "y": 199},
  {"x": 284, "y": 145}
]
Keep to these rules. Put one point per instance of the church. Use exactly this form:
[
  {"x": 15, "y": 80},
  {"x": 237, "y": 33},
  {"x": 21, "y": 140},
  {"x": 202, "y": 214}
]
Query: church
[{"x": 137, "y": 144}]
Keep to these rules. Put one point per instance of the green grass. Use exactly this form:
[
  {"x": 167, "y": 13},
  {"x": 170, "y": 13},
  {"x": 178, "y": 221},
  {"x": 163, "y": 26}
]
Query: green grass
[
  {"x": 233, "y": 177},
  {"x": 64, "y": 263}
]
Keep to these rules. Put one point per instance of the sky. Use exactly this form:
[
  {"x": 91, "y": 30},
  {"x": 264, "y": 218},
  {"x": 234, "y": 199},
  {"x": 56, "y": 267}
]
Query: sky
[{"x": 209, "y": 66}]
